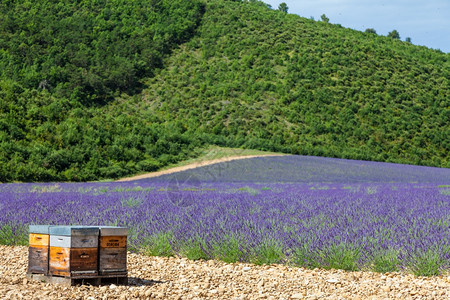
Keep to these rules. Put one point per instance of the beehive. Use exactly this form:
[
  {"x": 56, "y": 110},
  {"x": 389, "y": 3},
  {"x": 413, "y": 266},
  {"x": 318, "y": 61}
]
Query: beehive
[
  {"x": 113, "y": 250},
  {"x": 38, "y": 252},
  {"x": 78, "y": 254},
  {"x": 73, "y": 251}
]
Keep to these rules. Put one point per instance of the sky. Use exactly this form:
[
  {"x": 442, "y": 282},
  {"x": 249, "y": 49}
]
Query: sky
[{"x": 426, "y": 22}]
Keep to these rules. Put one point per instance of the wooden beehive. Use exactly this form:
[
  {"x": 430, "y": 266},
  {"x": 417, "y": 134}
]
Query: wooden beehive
[
  {"x": 38, "y": 252},
  {"x": 73, "y": 251},
  {"x": 78, "y": 254},
  {"x": 113, "y": 250}
]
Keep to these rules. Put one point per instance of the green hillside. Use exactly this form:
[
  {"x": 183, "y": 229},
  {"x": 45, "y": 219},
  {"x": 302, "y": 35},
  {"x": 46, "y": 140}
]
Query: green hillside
[
  {"x": 149, "y": 83},
  {"x": 62, "y": 62}
]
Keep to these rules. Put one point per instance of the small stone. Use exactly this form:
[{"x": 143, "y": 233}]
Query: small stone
[
  {"x": 297, "y": 296},
  {"x": 213, "y": 291},
  {"x": 333, "y": 280},
  {"x": 148, "y": 293},
  {"x": 25, "y": 281},
  {"x": 386, "y": 289},
  {"x": 246, "y": 269},
  {"x": 113, "y": 287}
]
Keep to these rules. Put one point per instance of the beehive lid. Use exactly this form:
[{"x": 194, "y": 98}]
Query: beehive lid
[
  {"x": 39, "y": 229},
  {"x": 74, "y": 230},
  {"x": 113, "y": 231}
]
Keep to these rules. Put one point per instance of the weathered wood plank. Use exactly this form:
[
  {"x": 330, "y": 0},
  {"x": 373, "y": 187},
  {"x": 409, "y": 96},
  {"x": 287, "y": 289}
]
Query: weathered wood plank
[
  {"x": 83, "y": 259},
  {"x": 112, "y": 260},
  {"x": 74, "y": 230},
  {"x": 59, "y": 261},
  {"x": 38, "y": 259},
  {"x": 87, "y": 241},
  {"x": 113, "y": 231}
]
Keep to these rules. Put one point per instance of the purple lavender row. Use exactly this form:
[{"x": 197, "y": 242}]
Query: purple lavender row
[
  {"x": 370, "y": 218},
  {"x": 307, "y": 169},
  {"x": 383, "y": 224}
]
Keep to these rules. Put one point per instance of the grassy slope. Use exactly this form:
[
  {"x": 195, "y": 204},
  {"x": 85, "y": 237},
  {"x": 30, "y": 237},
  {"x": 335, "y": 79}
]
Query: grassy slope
[
  {"x": 202, "y": 157},
  {"x": 215, "y": 152}
]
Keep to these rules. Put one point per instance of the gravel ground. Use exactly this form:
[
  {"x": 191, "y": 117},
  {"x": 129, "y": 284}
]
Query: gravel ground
[{"x": 179, "y": 278}]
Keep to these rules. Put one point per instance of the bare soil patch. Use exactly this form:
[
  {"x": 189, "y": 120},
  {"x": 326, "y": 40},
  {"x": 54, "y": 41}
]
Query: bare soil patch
[
  {"x": 179, "y": 278},
  {"x": 193, "y": 166}
]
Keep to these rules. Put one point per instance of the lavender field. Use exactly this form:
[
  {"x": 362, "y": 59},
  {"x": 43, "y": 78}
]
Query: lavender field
[{"x": 302, "y": 211}]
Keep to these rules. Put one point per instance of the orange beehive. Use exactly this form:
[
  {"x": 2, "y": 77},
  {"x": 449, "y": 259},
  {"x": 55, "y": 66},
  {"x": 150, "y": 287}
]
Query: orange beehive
[
  {"x": 73, "y": 251},
  {"x": 38, "y": 250}
]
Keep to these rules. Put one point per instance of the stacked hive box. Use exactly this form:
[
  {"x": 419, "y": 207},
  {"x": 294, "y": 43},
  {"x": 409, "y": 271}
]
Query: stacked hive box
[
  {"x": 63, "y": 254},
  {"x": 113, "y": 250},
  {"x": 73, "y": 251},
  {"x": 38, "y": 250}
]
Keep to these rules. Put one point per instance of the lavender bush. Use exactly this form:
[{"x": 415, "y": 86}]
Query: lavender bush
[{"x": 305, "y": 211}]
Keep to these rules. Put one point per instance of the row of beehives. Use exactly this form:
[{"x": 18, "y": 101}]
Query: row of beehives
[{"x": 77, "y": 251}]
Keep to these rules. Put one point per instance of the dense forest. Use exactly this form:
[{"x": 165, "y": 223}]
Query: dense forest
[
  {"x": 62, "y": 62},
  {"x": 95, "y": 89}
]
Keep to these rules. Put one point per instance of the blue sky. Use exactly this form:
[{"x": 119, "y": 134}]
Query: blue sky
[{"x": 426, "y": 22}]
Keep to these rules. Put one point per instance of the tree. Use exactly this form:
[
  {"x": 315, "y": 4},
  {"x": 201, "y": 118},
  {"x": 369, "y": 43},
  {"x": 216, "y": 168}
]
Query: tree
[
  {"x": 283, "y": 7},
  {"x": 394, "y": 34},
  {"x": 325, "y": 18},
  {"x": 408, "y": 40},
  {"x": 371, "y": 30}
]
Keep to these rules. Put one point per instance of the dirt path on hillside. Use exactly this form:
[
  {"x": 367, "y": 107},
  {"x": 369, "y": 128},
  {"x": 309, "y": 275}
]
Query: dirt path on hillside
[
  {"x": 193, "y": 166},
  {"x": 179, "y": 278}
]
